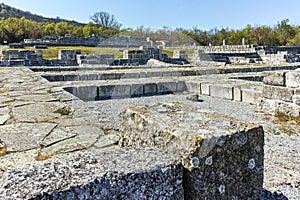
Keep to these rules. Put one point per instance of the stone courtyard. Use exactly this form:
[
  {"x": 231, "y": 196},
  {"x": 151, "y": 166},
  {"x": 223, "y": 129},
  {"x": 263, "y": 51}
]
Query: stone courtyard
[{"x": 140, "y": 132}]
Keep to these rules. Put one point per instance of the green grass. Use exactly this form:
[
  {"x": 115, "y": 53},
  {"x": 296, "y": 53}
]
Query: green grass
[
  {"x": 52, "y": 52},
  {"x": 169, "y": 51}
]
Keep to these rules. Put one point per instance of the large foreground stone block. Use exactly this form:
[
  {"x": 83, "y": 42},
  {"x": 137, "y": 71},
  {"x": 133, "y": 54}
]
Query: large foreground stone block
[
  {"x": 112, "y": 174},
  {"x": 222, "y": 157}
]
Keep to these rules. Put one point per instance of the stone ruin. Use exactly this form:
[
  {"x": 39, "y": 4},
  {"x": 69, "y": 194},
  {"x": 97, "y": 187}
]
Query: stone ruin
[{"x": 160, "y": 150}]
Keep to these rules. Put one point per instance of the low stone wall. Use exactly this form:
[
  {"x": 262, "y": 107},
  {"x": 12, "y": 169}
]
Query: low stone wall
[
  {"x": 96, "y": 59},
  {"x": 21, "y": 57},
  {"x": 281, "y": 93}
]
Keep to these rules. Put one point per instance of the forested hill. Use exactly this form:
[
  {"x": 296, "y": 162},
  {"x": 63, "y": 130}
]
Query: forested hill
[{"x": 10, "y": 12}]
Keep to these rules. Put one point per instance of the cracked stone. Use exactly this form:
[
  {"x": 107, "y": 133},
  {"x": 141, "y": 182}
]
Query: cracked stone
[
  {"x": 80, "y": 142},
  {"x": 24, "y": 136},
  {"x": 57, "y": 135},
  {"x": 4, "y": 118},
  {"x": 38, "y": 112}
]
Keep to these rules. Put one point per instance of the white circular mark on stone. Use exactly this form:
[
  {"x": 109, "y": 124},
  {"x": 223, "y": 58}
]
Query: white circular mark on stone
[
  {"x": 221, "y": 140},
  {"x": 251, "y": 164},
  {"x": 209, "y": 160},
  {"x": 195, "y": 162},
  {"x": 222, "y": 189}
]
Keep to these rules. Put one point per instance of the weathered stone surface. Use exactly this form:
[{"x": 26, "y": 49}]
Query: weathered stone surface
[
  {"x": 222, "y": 91},
  {"x": 193, "y": 86},
  {"x": 112, "y": 174},
  {"x": 251, "y": 96},
  {"x": 276, "y": 78},
  {"x": 278, "y": 93},
  {"x": 26, "y": 135},
  {"x": 217, "y": 150},
  {"x": 37, "y": 112},
  {"x": 205, "y": 88},
  {"x": 277, "y": 106},
  {"x": 293, "y": 79}
]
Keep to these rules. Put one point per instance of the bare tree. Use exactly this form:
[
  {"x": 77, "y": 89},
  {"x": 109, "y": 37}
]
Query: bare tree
[{"x": 105, "y": 20}]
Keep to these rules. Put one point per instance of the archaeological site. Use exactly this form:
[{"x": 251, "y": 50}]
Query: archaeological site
[{"x": 210, "y": 122}]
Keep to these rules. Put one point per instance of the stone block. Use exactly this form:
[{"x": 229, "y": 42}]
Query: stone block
[
  {"x": 54, "y": 78},
  {"x": 193, "y": 86},
  {"x": 251, "y": 96},
  {"x": 149, "y": 88},
  {"x": 131, "y": 75},
  {"x": 222, "y": 157},
  {"x": 121, "y": 91},
  {"x": 137, "y": 90},
  {"x": 205, "y": 88},
  {"x": 276, "y": 78},
  {"x": 166, "y": 87},
  {"x": 221, "y": 91},
  {"x": 87, "y": 93},
  {"x": 237, "y": 93},
  {"x": 71, "y": 77},
  {"x": 293, "y": 79},
  {"x": 166, "y": 73},
  {"x": 278, "y": 93},
  {"x": 105, "y": 91},
  {"x": 181, "y": 86},
  {"x": 272, "y": 106},
  {"x": 108, "y": 76},
  {"x": 296, "y": 99}
]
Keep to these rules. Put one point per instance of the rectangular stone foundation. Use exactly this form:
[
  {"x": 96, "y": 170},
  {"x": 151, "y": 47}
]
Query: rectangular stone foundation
[{"x": 222, "y": 157}]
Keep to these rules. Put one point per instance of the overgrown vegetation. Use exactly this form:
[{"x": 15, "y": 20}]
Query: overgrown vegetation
[
  {"x": 63, "y": 111},
  {"x": 281, "y": 117}
]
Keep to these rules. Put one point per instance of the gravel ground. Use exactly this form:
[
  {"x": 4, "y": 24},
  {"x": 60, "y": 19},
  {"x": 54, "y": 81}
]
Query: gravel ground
[{"x": 282, "y": 153}]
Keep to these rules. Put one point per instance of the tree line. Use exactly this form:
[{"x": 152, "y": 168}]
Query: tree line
[{"x": 104, "y": 24}]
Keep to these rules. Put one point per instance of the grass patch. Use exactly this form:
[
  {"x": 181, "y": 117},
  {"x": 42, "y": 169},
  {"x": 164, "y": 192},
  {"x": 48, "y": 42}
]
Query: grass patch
[
  {"x": 169, "y": 51},
  {"x": 281, "y": 117},
  {"x": 63, "y": 111}
]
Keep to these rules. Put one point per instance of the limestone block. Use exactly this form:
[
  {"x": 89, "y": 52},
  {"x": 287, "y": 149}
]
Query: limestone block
[
  {"x": 137, "y": 90},
  {"x": 293, "y": 79},
  {"x": 150, "y": 88},
  {"x": 271, "y": 106},
  {"x": 251, "y": 96},
  {"x": 111, "y": 174},
  {"x": 296, "y": 99},
  {"x": 237, "y": 93},
  {"x": 181, "y": 86},
  {"x": 193, "y": 86},
  {"x": 105, "y": 91},
  {"x": 278, "y": 93},
  {"x": 205, "y": 88},
  {"x": 121, "y": 91},
  {"x": 166, "y": 87},
  {"x": 222, "y": 157},
  {"x": 222, "y": 91},
  {"x": 71, "y": 77},
  {"x": 54, "y": 78},
  {"x": 276, "y": 78},
  {"x": 87, "y": 93},
  {"x": 107, "y": 76}
]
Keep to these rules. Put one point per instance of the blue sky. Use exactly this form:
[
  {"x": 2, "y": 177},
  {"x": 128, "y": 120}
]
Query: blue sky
[{"x": 234, "y": 14}]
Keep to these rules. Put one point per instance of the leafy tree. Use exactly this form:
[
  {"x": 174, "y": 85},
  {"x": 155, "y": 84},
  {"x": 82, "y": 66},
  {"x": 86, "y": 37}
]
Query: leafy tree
[{"x": 90, "y": 29}]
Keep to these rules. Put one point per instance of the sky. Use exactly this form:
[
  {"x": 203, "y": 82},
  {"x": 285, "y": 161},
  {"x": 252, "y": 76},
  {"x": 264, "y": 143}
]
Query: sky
[{"x": 156, "y": 14}]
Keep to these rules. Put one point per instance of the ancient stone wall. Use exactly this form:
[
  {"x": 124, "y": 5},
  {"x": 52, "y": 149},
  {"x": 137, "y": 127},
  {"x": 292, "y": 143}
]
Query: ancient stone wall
[
  {"x": 21, "y": 57},
  {"x": 281, "y": 93},
  {"x": 99, "y": 59}
]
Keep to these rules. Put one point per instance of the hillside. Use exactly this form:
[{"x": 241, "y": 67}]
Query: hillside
[{"x": 8, "y": 11}]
